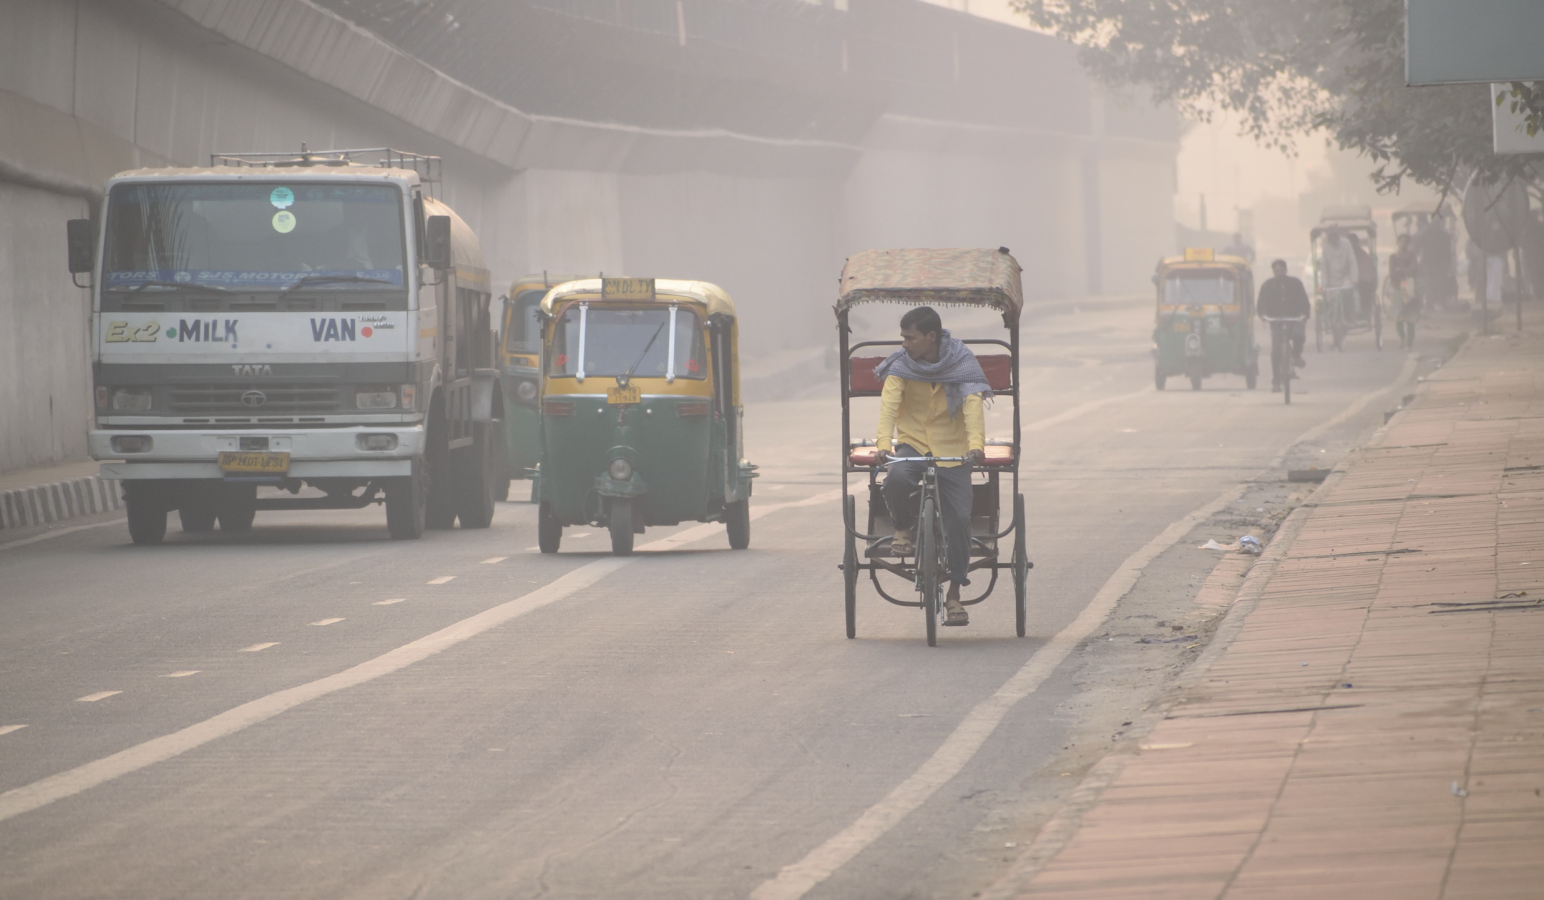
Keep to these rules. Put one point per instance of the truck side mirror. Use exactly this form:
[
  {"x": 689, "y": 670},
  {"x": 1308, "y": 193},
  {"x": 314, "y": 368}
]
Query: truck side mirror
[
  {"x": 82, "y": 238},
  {"x": 437, "y": 242}
]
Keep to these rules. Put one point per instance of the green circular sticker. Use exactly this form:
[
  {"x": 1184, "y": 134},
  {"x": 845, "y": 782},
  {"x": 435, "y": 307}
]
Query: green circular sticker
[
  {"x": 282, "y": 197},
  {"x": 284, "y": 221},
  {"x": 171, "y": 333}
]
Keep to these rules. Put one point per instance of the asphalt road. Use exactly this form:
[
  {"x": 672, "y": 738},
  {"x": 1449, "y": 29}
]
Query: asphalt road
[{"x": 313, "y": 710}]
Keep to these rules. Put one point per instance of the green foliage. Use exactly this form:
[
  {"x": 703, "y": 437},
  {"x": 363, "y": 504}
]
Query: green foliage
[{"x": 1287, "y": 69}]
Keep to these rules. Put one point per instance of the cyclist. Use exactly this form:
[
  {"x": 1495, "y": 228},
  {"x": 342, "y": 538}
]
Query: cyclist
[
  {"x": 933, "y": 393},
  {"x": 1282, "y": 296}
]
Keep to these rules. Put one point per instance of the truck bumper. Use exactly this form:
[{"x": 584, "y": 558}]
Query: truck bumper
[{"x": 318, "y": 453}]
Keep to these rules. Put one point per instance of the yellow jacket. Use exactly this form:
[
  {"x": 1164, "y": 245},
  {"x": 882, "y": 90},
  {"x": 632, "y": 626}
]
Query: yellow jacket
[{"x": 920, "y": 411}]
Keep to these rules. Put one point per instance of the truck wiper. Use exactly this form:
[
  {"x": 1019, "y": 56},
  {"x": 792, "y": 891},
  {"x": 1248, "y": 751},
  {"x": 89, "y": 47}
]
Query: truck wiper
[
  {"x": 327, "y": 279},
  {"x": 180, "y": 285}
]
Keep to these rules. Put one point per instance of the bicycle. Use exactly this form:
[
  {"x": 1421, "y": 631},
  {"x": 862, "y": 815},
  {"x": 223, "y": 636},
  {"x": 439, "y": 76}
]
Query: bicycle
[
  {"x": 932, "y": 543},
  {"x": 1334, "y": 317},
  {"x": 1281, "y": 352}
]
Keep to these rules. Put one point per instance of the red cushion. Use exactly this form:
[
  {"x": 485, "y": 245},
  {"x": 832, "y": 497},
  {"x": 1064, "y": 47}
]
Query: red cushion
[
  {"x": 863, "y": 456},
  {"x": 998, "y": 368}
]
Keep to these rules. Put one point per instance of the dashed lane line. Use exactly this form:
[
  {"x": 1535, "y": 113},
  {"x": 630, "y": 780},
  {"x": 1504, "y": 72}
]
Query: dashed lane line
[
  {"x": 81, "y": 778},
  {"x": 327, "y": 621},
  {"x": 388, "y": 602},
  {"x": 183, "y": 674},
  {"x": 99, "y": 695},
  {"x": 7, "y": 729},
  {"x": 443, "y": 579},
  {"x": 256, "y": 647},
  {"x": 496, "y": 559}
]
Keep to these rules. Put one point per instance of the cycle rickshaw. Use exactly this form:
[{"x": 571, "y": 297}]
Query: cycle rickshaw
[
  {"x": 1350, "y": 309},
  {"x": 983, "y": 279}
]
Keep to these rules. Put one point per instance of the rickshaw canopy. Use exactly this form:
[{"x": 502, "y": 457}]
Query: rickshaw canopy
[
  {"x": 709, "y": 297},
  {"x": 934, "y": 277}
]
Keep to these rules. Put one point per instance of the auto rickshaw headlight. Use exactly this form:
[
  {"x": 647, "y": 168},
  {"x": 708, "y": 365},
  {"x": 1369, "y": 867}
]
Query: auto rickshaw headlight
[
  {"x": 526, "y": 391},
  {"x": 620, "y": 469}
]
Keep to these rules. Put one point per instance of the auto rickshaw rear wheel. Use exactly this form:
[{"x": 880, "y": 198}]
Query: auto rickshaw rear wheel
[
  {"x": 236, "y": 507},
  {"x": 1159, "y": 379},
  {"x": 197, "y": 511},
  {"x": 621, "y": 524},
  {"x": 1195, "y": 382},
  {"x": 737, "y": 516},
  {"x": 549, "y": 531}
]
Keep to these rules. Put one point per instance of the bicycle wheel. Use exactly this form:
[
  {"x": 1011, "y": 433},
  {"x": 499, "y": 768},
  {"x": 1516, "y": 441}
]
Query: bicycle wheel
[
  {"x": 1377, "y": 326},
  {"x": 850, "y": 565},
  {"x": 1020, "y": 566},
  {"x": 927, "y": 566}
]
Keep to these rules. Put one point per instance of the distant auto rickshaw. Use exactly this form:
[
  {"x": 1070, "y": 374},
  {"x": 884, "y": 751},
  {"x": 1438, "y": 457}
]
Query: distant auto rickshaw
[
  {"x": 520, "y": 377},
  {"x": 1341, "y": 310},
  {"x": 1205, "y": 319},
  {"x": 641, "y": 422},
  {"x": 984, "y": 279}
]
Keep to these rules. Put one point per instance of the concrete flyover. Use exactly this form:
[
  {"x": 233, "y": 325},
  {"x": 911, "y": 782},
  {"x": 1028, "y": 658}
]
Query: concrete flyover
[{"x": 751, "y": 144}]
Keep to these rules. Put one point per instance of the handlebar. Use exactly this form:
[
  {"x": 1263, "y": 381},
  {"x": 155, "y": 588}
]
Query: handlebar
[
  {"x": 1285, "y": 318},
  {"x": 898, "y": 459}
]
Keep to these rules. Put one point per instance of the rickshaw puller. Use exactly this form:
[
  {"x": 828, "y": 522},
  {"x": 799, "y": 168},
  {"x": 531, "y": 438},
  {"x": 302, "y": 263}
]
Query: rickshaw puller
[{"x": 933, "y": 393}]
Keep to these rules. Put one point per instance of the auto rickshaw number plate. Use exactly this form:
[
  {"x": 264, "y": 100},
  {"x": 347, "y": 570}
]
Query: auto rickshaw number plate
[
  {"x": 254, "y": 463},
  {"x": 1181, "y": 326},
  {"x": 627, "y": 394}
]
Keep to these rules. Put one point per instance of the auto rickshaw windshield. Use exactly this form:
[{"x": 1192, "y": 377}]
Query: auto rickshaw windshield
[
  {"x": 1199, "y": 288},
  {"x": 524, "y": 335},
  {"x": 627, "y": 342}
]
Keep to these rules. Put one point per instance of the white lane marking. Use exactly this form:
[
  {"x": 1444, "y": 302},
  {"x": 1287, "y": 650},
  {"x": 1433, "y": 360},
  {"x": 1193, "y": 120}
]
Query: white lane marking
[
  {"x": 72, "y": 781},
  {"x": 326, "y": 621},
  {"x": 496, "y": 559},
  {"x": 580, "y": 534},
  {"x": 256, "y": 647},
  {"x": 99, "y": 695},
  {"x": 388, "y": 602},
  {"x": 183, "y": 674},
  {"x": 60, "y": 533},
  {"x": 443, "y": 579},
  {"x": 1081, "y": 408},
  {"x": 537, "y": 547},
  {"x": 7, "y": 729},
  {"x": 794, "y": 881}
]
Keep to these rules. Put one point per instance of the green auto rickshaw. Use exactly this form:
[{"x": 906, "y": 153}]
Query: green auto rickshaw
[
  {"x": 1205, "y": 320},
  {"x": 520, "y": 377},
  {"x": 641, "y": 422}
]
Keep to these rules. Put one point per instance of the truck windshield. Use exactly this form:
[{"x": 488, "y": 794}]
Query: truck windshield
[
  {"x": 628, "y": 341},
  {"x": 254, "y": 236},
  {"x": 523, "y": 335},
  {"x": 1199, "y": 289}
]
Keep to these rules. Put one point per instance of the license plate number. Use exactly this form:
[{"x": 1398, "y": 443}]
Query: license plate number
[
  {"x": 619, "y": 395},
  {"x": 254, "y": 463}
]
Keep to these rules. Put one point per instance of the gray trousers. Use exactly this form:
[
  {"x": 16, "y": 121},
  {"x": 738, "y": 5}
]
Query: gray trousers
[{"x": 903, "y": 500}]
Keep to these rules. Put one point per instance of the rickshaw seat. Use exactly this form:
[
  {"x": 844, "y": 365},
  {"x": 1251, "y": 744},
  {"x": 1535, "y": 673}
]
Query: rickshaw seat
[
  {"x": 997, "y": 367},
  {"x": 998, "y": 456}
]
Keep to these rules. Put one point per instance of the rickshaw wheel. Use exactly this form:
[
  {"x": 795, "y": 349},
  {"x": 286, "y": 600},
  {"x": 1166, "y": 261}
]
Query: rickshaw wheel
[
  {"x": 549, "y": 531},
  {"x": 737, "y": 516},
  {"x": 1195, "y": 382},
  {"x": 1377, "y": 326},
  {"x": 621, "y": 524},
  {"x": 850, "y": 565},
  {"x": 927, "y": 563},
  {"x": 1159, "y": 379},
  {"x": 1020, "y": 566}
]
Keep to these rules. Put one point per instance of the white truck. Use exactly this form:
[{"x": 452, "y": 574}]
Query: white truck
[{"x": 287, "y": 322}]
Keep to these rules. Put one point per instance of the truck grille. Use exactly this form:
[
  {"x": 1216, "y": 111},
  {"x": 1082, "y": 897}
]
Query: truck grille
[{"x": 264, "y": 400}]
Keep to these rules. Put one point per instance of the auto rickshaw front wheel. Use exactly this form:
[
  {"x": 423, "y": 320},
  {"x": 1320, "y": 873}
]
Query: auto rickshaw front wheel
[
  {"x": 549, "y": 531},
  {"x": 621, "y": 524},
  {"x": 737, "y": 516},
  {"x": 1159, "y": 379}
]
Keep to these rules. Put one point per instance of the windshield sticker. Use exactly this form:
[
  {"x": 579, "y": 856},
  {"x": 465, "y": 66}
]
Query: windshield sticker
[
  {"x": 284, "y": 221},
  {"x": 255, "y": 279},
  {"x": 282, "y": 197}
]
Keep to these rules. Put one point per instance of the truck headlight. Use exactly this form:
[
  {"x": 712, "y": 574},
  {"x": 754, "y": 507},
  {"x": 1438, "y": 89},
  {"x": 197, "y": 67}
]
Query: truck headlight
[
  {"x": 131, "y": 443},
  {"x": 620, "y": 469},
  {"x": 374, "y": 397},
  {"x": 131, "y": 399}
]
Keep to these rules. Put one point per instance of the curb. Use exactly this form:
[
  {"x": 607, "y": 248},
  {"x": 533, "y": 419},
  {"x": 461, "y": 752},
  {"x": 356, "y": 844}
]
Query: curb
[{"x": 45, "y": 503}]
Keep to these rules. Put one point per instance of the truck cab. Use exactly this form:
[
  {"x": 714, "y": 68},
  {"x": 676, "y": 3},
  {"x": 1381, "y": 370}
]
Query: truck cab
[{"x": 277, "y": 321}]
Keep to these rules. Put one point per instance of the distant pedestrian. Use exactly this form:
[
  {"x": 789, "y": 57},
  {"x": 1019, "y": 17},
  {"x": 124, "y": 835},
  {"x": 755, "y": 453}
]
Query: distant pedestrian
[{"x": 1403, "y": 296}]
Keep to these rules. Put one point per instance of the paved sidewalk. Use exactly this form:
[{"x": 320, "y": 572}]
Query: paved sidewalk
[
  {"x": 1370, "y": 721},
  {"x": 44, "y": 494}
]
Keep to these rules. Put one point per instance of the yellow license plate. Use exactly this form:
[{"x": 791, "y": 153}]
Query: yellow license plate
[
  {"x": 1181, "y": 326},
  {"x": 254, "y": 463},
  {"x": 629, "y": 394}
]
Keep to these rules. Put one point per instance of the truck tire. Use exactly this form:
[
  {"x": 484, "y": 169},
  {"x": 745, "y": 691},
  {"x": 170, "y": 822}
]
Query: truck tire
[
  {"x": 407, "y": 504},
  {"x": 146, "y": 512},
  {"x": 236, "y": 507},
  {"x": 476, "y": 477}
]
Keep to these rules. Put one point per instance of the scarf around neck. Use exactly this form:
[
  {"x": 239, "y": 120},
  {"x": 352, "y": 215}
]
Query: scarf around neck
[{"x": 957, "y": 370}]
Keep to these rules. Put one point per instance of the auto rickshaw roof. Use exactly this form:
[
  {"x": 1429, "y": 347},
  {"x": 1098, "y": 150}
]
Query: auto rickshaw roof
[
  {"x": 942, "y": 277},
  {"x": 543, "y": 282},
  {"x": 1219, "y": 261},
  {"x": 712, "y": 298}
]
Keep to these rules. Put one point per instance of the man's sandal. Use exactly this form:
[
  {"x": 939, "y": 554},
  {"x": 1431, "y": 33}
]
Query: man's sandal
[
  {"x": 956, "y": 616},
  {"x": 902, "y": 545}
]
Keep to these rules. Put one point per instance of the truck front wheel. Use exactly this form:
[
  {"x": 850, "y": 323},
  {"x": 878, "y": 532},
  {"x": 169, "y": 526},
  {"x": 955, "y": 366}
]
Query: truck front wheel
[
  {"x": 407, "y": 504},
  {"x": 146, "y": 511}
]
